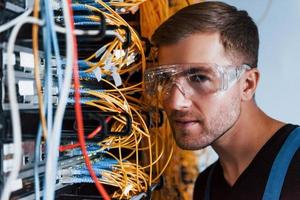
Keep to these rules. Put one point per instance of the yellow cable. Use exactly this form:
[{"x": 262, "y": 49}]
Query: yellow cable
[{"x": 35, "y": 46}]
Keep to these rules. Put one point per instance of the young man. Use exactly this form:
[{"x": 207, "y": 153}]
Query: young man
[{"x": 206, "y": 81}]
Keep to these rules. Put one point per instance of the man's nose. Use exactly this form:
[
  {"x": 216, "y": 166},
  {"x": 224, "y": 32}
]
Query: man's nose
[{"x": 177, "y": 98}]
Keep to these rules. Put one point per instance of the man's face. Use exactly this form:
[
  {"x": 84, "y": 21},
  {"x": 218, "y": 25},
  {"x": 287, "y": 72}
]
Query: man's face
[{"x": 198, "y": 122}]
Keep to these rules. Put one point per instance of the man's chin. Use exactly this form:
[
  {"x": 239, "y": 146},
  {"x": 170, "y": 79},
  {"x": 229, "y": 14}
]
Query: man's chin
[
  {"x": 190, "y": 147},
  {"x": 189, "y": 144}
]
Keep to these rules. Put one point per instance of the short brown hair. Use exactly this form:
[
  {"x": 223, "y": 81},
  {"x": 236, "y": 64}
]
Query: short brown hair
[{"x": 238, "y": 32}]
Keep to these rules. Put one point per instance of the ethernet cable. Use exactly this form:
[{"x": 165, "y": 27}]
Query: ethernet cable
[
  {"x": 150, "y": 143},
  {"x": 48, "y": 74},
  {"x": 105, "y": 97},
  {"x": 123, "y": 146},
  {"x": 13, "y": 22},
  {"x": 54, "y": 139},
  {"x": 51, "y": 25},
  {"x": 86, "y": 18},
  {"x": 90, "y": 136},
  {"x": 42, "y": 126},
  {"x": 35, "y": 30},
  {"x": 14, "y": 107},
  {"x": 87, "y": 23},
  {"x": 83, "y": 7},
  {"x": 79, "y": 112},
  {"x": 36, "y": 163}
]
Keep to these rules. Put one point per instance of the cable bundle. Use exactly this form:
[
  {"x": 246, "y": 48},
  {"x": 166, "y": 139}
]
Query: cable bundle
[{"x": 109, "y": 81}]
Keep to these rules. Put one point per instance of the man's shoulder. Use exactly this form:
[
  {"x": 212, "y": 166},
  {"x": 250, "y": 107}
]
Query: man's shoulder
[
  {"x": 201, "y": 182},
  {"x": 204, "y": 174}
]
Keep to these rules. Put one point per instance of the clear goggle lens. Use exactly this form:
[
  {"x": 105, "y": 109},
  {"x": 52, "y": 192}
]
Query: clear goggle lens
[{"x": 201, "y": 79}]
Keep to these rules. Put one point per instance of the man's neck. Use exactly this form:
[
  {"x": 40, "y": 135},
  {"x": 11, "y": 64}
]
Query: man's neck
[{"x": 238, "y": 147}]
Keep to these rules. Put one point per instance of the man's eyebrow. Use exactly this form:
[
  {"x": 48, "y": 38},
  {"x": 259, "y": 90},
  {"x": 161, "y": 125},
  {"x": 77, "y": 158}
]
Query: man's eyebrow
[{"x": 197, "y": 69}]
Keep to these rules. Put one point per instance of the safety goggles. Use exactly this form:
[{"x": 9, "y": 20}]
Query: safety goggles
[{"x": 191, "y": 79}]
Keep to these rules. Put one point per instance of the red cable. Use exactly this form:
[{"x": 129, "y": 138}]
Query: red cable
[
  {"x": 90, "y": 136},
  {"x": 78, "y": 112},
  {"x": 63, "y": 148}
]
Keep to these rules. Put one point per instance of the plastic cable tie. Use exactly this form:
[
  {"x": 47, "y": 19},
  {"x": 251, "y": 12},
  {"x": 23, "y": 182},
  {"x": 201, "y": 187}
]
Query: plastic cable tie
[
  {"x": 26, "y": 60},
  {"x": 107, "y": 67},
  {"x": 130, "y": 59},
  {"x": 126, "y": 106},
  {"x": 53, "y": 62},
  {"x": 55, "y": 91},
  {"x": 35, "y": 100},
  {"x": 119, "y": 53},
  {"x": 56, "y": 5},
  {"x": 13, "y": 58},
  {"x": 116, "y": 76},
  {"x": 26, "y": 87},
  {"x": 7, "y": 165},
  {"x": 8, "y": 149},
  {"x": 127, "y": 189},
  {"x": 122, "y": 10},
  {"x": 16, "y": 185},
  {"x": 108, "y": 21},
  {"x": 100, "y": 51},
  {"x": 108, "y": 60},
  {"x": 98, "y": 73}
]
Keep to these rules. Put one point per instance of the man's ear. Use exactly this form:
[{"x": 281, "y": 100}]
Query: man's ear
[{"x": 249, "y": 83}]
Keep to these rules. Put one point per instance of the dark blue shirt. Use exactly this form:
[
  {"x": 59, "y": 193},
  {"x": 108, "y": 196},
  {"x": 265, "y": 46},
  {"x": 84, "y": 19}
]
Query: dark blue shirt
[{"x": 251, "y": 183}]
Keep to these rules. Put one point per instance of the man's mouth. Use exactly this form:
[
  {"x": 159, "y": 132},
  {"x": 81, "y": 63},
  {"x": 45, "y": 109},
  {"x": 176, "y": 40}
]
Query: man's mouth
[{"x": 184, "y": 123}]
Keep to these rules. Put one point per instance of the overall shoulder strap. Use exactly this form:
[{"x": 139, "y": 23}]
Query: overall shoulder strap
[{"x": 280, "y": 166}]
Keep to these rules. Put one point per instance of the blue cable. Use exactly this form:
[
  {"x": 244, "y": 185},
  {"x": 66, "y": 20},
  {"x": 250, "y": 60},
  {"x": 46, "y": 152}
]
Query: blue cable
[
  {"x": 48, "y": 82},
  {"x": 85, "y": 91},
  {"x": 97, "y": 5},
  {"x": 83, "y": 1},
  {"x": 83, "y": 100},
  {"x": 89, "y": 1},
  {"x": 39, "y": 136},
  {"x": 83, "y": 7},
  {"x": 54, "y": 41},
  {"x": 78, "y": 173},
  {"x": 86, "y": 179},
  {"x": 86, "y": 75},
  {"x": 80, "y": 7},
  {"x": 36, "y": 162},
  {"x": 87, "y": 24},
  {"x": 82, "y": 18},
  {"x": 84, "y": 65}
]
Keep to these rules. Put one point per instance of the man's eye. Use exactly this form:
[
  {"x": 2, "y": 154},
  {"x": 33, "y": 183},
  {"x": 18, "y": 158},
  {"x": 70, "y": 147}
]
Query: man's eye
[
  {"x": 198, "y": 78},
  {"x": 166, "y": 77}
]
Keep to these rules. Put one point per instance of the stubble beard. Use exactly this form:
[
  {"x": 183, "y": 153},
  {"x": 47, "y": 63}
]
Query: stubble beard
[{"x": 211, "y": 130}]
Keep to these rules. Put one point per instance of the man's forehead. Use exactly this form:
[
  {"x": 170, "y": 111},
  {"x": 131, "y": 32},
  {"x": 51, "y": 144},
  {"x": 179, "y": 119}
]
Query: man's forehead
[{"x": 200, "y": 47}]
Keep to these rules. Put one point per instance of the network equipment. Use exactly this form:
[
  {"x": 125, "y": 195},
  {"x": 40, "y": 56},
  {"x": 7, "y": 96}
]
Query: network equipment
[{"x": 73, "y": 120}]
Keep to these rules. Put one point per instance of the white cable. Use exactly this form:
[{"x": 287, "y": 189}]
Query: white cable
[
  {"x": 90, "y": 32},
  {"x": 14, "y": 107},
  {"x": 13, "y": 22},
  {"x": 61, "y": 29},
  {"x": 54, "y": 140},
  {"x": 114, "y": 33}
]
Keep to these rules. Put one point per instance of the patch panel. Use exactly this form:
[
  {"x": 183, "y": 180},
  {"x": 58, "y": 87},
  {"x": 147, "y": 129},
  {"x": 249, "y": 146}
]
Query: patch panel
[
  {"x": 24, "y": 186},
  {"x": 24, "y": 78}
]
